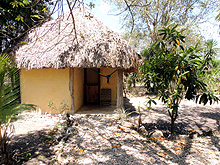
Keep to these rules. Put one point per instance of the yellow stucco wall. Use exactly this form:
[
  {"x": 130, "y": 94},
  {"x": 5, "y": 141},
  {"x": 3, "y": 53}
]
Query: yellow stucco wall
[
  {"x": 113, "y": 83},
  {"x": 78, "y": 87},
  {"x": 39, "y": 86}
]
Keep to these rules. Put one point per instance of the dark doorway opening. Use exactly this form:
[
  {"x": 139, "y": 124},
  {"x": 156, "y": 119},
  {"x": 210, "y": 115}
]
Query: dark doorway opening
[{"x": 92, "y": 87}]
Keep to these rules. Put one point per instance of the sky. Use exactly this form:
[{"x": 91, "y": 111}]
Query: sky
[
  {"x": 211, "y": 30},
  {"x": 103, "y": 13}
]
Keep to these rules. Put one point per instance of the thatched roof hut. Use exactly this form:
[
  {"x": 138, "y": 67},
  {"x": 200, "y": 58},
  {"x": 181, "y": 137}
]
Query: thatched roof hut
[
  {"x": 54, "y": 45},
  {"x": 60, "y": 62}
]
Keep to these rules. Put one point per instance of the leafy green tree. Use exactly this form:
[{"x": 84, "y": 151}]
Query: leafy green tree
[
  {"x": 172, "y": 70},
  {"x": 9, "y": 102},
  {"x": 18, "y": 17}
]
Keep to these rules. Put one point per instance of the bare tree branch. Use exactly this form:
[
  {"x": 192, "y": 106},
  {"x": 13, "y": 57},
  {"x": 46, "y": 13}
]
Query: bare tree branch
[
  {"x": 132, "y": 17},
  {"x": 74, "y": 25}
]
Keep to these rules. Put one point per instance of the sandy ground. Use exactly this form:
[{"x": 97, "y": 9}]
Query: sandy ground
[
  {"x": 99, "y": 139},
  {"x": 35, "y": 122},
  {"x": 31, "y": 122}
]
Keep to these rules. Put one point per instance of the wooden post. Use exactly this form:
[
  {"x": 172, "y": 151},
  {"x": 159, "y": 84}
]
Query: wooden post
[
  {"x": 71, "y": 88},
  {"x": 120, "y": 101}
]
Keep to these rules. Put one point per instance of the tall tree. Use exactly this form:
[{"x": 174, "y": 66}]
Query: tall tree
[
  {"x": 148, "y": 16},
  {"x": 19, "y": 16}
]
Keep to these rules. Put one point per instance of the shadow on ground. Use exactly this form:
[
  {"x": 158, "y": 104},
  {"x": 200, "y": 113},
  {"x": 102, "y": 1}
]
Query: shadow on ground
[{"x": 32, "y": 146}]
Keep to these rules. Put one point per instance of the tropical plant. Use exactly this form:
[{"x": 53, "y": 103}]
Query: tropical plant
[
  {"x": 209, "y": 55},
  {"x": 210, "y": 68},
  {"x": 149, "y": 103},
  {"x": 9, "y": 103},
  {"x": 172, "y": 71}
]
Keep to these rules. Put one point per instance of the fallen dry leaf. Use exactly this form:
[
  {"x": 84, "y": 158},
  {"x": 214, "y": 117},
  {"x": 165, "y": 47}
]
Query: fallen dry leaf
[
  {"x": 152, "y": 138},
  {"x": 145, "y": 149},
  {"x": 74, "y": 149},
  {"x": 134, "y": 132},
  {"x": 117, "y": 134},
  {"x": 121, "y": 128},
  {"x": 178, "y": 152},
  {"x": 116, "y": 146},
  {"x": 210, "y": 153},
  {"x": 162, "y": 154},
  {"x": 92, "y": 127},
  {"x": 159, "y": 138},
  {"x": 192, "y": 130},
  {"x": 180, "y": 142},
  {"x": 176, "y": 148}
]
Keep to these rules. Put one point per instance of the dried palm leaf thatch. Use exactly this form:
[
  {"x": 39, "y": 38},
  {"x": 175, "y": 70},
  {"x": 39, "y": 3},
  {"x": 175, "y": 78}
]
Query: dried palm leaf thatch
[{"x": 54, "y": 45}]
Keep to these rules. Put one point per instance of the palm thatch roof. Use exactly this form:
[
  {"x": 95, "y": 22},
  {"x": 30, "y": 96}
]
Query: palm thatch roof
[{"x": 55, "y": 45}]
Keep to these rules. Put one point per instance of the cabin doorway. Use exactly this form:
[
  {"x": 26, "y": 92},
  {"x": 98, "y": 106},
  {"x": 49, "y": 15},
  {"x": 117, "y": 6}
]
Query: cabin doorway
[{"x": 92, "y": 86}]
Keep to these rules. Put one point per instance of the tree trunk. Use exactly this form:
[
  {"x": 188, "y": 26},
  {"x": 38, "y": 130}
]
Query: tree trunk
[
  {"x": 134, "y": 83},
  {"x": 4, "y": 153},
  {"x": 172, "y": 125},
  {"x": 120, "y": 103},
  {"x": 71, "y": 88}
]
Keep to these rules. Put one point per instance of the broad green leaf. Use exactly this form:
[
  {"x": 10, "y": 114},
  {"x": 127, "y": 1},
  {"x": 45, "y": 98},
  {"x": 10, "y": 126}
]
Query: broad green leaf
[
  {"x": 19, "y": 18},
  {"x": 26, "y": 2},
  {"x": 24, "y": 42},
  {"x": 36, "y": 16},
  {"x": 21, "y": 4},
  {"x": 44, "y": 9},
  {"x": 14, "y": 4}
]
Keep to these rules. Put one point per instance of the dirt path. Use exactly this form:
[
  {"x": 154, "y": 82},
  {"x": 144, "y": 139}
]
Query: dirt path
[{"x": 104, "y": 139}]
